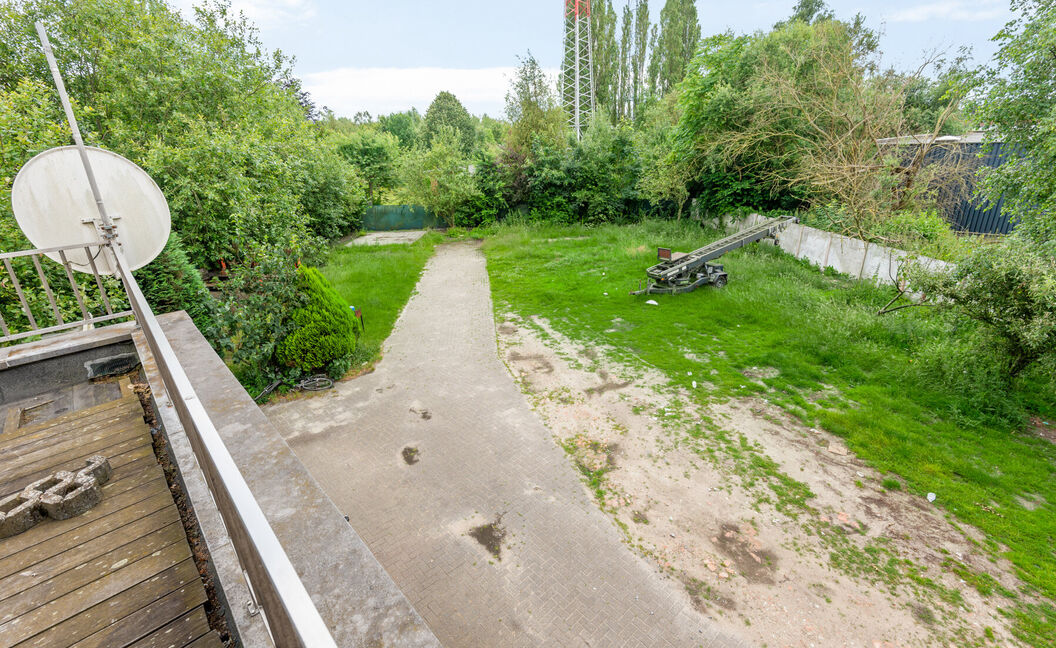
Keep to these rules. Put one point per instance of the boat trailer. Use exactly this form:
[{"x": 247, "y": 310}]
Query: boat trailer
[{"x": 681, "y": 273}]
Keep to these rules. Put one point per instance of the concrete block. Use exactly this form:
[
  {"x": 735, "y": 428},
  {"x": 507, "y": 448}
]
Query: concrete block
[
  {"x": 876, "y": 263},
  {"x": 98, "y": 468},
  {"x": 845, "y": 254},
  {"x": 72, "y": 496},
  {"x": 815, "y": 246},
  {"x": 19, "y": 512}
]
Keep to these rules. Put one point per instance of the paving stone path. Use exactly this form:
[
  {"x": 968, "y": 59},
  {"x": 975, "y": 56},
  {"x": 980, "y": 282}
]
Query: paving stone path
[{"x": 436, "y": 454}]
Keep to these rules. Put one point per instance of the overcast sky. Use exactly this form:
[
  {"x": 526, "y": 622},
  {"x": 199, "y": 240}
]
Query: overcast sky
[{"x": 389, "y": 55}]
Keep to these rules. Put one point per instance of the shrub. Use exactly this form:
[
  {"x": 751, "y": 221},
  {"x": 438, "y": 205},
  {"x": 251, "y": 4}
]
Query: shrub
[
  {"x": 255, "y": 303},
  {"x": 326, "y": 330},
  {"x": 171, "y": 283},
  {"x": 1009, "y": 287}
]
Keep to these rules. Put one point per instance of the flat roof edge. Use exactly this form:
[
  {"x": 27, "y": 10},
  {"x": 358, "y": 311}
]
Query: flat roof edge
[{"x": 64, "y": 344}]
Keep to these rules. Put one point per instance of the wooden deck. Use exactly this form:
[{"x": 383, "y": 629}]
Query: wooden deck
[{"x": 119, "y": 575}]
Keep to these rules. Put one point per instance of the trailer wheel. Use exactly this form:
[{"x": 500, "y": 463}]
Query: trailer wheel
[{"x": 720, "y": 281}]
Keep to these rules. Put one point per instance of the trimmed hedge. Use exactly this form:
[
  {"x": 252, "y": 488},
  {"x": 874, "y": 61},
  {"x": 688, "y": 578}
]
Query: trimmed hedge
[{"x": 326, "y": 330}]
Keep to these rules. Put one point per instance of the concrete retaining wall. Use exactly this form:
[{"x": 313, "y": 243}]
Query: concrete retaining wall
[{"x": 855, "y": 257}]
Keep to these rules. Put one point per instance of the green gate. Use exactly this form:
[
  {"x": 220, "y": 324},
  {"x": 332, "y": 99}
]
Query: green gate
[{"x": 398, "y": 217}]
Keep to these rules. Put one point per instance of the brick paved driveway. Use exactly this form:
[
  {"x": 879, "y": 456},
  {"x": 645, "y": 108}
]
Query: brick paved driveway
[{"x": 563, "y": 577}]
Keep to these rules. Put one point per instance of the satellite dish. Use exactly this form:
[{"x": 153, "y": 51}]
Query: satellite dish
[{"x": 53, "y": 205}]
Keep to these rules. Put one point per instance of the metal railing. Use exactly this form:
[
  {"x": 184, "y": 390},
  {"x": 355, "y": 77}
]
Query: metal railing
[
  {"x": 34, "y": 321},
  {"x": 289, "y": 612}
]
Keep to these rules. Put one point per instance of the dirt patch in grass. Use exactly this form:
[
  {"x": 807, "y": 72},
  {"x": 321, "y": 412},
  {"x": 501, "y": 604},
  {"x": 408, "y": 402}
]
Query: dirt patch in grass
[
  {"x": 758, "y": 373},
  {"x": 531, "y": 362},
  {"x": 490, "y": 536},
  {"x": 740, "y": 543},
  {"x": 1044, "y": 429},
  {"x": 606, "y": 387},
  {"x": 771, "y": 534}
]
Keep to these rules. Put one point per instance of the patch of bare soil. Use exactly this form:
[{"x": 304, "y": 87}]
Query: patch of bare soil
[
  {"x": 1044, "y": 429},
  {"x": 828, "y": 574}
]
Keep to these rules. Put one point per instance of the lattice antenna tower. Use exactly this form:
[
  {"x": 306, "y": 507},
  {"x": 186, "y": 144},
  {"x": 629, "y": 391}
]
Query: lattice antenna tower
[{"x": 576, "y": 74}]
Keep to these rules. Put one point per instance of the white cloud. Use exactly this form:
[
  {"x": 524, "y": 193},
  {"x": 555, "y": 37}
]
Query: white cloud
[
  {"x": 265, "y": 14},
  {"x": 273, "y": 13},
  {"x": 952, "y": 10},
  {"x": 349, "y": 90}
]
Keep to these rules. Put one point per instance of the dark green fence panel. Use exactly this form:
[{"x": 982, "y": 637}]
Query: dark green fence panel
[{"x": 398, "y": 217}]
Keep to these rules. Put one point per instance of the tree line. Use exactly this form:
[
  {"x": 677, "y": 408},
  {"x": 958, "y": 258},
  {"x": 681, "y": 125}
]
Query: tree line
[{"x": 790, "y": 118}]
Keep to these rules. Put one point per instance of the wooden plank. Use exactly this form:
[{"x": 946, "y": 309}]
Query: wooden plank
[
  {"x": 71, "y": 606},
  {"x": 210, "y": 640},
  {"x": 13, "y": 419},
  {"x": 142, "y": 492},
  {"x": 75, "y": 418},
  {"x": 48, "y": 453},
  {"x": 88, "y": 573},
  {"x": 16, "y": 446},
  {"x": 180, "y": 632},
  {"x": 86, "y": 414},
  {"x": 33, "y": 573},
  {"x": 126, "y": 387},
  {"x": 128, "y": 455},
  {"x": 55, "y": 537},
  {"x": 148, "y": 622},
  {"x": 56, "y": 446},
  {"x": 68, "y": 456},
  {"x": 183, "y": 576}
]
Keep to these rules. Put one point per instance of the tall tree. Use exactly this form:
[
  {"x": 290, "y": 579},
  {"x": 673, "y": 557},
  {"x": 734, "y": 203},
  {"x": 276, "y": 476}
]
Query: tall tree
[
  {"x": 639, "y": 55},
  {"x": 675, "y": 46},
  {"x": 808, "y": 11},
  {"x": 532, "y": 108},
  {"x": 605, "y": 54},
  {"x": 373, "y": 153},
  {"x": 404, "y": 125},
  {"x": 438, "y": 177},
  {"x": 1020, "y": 102},
  {"x": 624, "y": 72},
  {"x": 447, "y": 110}
]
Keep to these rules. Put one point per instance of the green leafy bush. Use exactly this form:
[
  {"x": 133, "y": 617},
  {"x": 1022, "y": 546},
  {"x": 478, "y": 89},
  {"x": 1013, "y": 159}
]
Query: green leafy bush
[
  {"x": 171, "y": 283},
  {"x": 255, "y": 303},
  {"x": 326, "y": 330},
  {"x": 1011, "y": 288}
]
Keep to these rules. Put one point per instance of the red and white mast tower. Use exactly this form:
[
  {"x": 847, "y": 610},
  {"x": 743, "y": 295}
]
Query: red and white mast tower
[{"x": 577, "y": 79}]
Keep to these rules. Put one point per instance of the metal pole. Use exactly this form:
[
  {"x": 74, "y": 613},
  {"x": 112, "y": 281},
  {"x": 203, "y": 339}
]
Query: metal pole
[
  {"x": 578, "y": 65},
  {"x": 106, "y": 226}
]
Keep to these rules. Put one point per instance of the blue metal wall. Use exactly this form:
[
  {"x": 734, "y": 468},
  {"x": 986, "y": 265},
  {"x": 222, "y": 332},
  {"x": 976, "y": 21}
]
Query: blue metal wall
[{"x": 974, "y": 214}]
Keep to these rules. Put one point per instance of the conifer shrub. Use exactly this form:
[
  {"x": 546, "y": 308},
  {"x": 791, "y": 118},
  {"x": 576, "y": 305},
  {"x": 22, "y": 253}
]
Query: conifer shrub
[
  {"x": 325, "y": 330},
  {"x": 170, "y": 283}
]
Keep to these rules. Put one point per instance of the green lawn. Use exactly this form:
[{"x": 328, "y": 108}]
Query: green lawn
[
  {"x": 911, "y": 392},
  {"x": 378, "y": 280}
]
